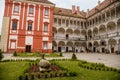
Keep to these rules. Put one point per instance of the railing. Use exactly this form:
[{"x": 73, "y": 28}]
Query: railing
[{"x": 69, "y": 38}]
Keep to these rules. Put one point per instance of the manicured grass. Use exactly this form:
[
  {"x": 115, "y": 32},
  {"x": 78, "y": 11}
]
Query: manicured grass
[
  {"x": 85, "y": 74},
  {"x": 12, "y": 70},
  {"x": 37, "y": 55}
]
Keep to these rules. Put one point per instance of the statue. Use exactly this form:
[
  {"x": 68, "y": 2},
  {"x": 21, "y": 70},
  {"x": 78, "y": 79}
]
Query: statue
[{"x": 44, "y": 64}]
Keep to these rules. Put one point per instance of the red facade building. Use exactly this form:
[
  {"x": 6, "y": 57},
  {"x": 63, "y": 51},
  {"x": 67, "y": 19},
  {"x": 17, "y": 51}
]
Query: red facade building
[{"x": 29, "y": 24}]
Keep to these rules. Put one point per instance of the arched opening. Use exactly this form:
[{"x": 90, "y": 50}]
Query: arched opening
[
  {"x": 118, "y": 26},
  {"x": 96, "y": 45},
  {"x": 54, "y": 46},
  {"x": 103, "y": 45},
  {"x": 84, "y": 34},
  {"x": 95, "y": 31},
  {"x": 90, "y": 34},
  {"x": 69, "y": 46},
  {"x": 90, "y": 47},
  {"x": 112, "y": 43},
  {"x": 76, "y": 32},
  {"x": 102, "y": 29},
  {"x": 111, "y": 27},
  {"x": 77, "y": 45},
  {"x": 68, "y": 32},
  {"x": 61, "y": 30},
  {"x": 61, "y": 47}
]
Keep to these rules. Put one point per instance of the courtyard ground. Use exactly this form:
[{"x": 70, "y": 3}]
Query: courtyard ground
[{"x": 111, "y": 60}]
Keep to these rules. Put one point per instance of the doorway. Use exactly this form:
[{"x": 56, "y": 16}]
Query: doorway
[
  {"x": 59, "y": 49},
  {"x": 112, "y": 50},
  {"x": 67, "y": 36},
  {"x": 66, "y": 49},
  {"x": 103, "y": 50},
  {"x": 94, "y": 49},
  {"x": 28, "y": 48}
]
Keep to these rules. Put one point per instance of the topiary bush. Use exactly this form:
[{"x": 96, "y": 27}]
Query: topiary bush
[
  {"x": 74, "y": 56},
  {"x": 1, "y": 55},
  {"x": 15, "y": 53},
  {"x": 61, "y": 54}
]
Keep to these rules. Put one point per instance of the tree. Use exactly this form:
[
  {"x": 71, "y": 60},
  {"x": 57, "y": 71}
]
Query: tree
[
  {"x": 74, "y": 56},
  {"x": 1, "y": 56}
]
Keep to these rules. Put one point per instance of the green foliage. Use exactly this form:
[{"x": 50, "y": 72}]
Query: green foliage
[
  {"x": 74, "y": 56},
  {"x": 61, "y": 54},
  {"x": 15, "y": 53},
  {"x": 1, "y": 55}
]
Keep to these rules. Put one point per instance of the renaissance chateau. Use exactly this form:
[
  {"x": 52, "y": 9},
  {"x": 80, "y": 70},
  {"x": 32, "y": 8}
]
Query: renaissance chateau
[{"x": 40, "y": 26}]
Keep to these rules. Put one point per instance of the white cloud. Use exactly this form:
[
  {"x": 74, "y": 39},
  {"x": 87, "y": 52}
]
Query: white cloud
[{"x": 84, "y": 5}]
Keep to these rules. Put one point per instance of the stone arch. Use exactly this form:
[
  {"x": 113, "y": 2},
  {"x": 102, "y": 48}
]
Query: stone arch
[
  {"x": 89, "y": 32},
  {"x": 69, "y": 43},
  {"x": 95, "y": 43},
  {"x": 77, "y": 32},
  {"x": 102, "y": 29},
  {"x": 118, "y": 24},
  {"x": 61, "y": 30},
  {"x": 83, "y": 32},
  {"x": 69, "y": 31},
  {"x": 112, "y": 42},
  {"x": 61, "y": 43},
  {"x": 54, "y": 30},
  {"x": 77, "y": 44},
  {"x": 90, "y": 44},
  {"x": 111, "y": 26},
  {"x": 95, "y": 31},
  {"x": 103, "y": 43},
  {"x": 54, "y": 43}
]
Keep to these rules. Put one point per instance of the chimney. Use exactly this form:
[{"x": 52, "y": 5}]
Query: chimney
[
  {"x": 73, "y": 9},
  {"x": 88, "y": 10},
  {"x": 99, "y": 2},
  {"x": 78, "y": 9}
]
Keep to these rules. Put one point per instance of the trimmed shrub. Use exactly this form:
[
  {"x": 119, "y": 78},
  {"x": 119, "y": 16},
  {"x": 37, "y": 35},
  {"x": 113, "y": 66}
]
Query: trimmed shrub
[
  {"x": 20, "y": 77},
  {"x": 74, "y": 56},
  {"x": 15, "y": 53},
  {"x": 61, "y": 54},
  {"x": 1, "y": 56}
]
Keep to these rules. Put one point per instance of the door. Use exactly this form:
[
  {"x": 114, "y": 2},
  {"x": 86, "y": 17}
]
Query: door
[
  {"x": 103, "y": 50},
  {"x": 112, "y": 50},
  {"x": 59, "y": 49},
  {"x": 66, "y": 49},
  {"x": 28, "y": 48},
  {"x": 67, "y": 36},
  {"x": 94, "y": 49}
]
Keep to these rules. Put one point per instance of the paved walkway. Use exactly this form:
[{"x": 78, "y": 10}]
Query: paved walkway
[{"x": 111, "y": 60}]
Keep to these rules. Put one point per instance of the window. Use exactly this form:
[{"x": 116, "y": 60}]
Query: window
[
  {"x": 29, "y": 26},
  {"x": 45, "y": 27},
  {"x": 31, "y": 10},
  {"x": 16, "y": 8},
  {"x": 14, "y": 25},
  {"x": 45, "y": 45},
  {"x": 46, "y": 11}
]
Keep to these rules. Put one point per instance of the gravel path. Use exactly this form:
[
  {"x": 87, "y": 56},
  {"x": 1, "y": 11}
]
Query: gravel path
[{"x": 111, "y": 60}]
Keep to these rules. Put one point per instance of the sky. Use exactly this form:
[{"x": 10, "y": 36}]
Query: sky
[{"x": 83, "y": 4}]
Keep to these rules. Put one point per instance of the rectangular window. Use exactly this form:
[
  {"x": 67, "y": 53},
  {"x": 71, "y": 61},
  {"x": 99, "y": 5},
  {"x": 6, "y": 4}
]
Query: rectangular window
[
  {"x": 31, "y": 10},
  {"x": 12, "y": 45},
  {"x": 45, "y": 27},
  {"x": 14, "y": 25},
  {"x": 45, "y": 45},
  {"x": 16, "y": 8},
  {"x": 29, "y": 27},
  {"x": 47, "y": 12}
]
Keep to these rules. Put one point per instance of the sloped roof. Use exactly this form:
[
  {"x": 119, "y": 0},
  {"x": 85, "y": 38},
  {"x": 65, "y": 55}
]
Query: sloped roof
[
  {"x": 100, "y": 7},
  {"x": 41, "y": 1},
  {"x": 68, "y": 12}
]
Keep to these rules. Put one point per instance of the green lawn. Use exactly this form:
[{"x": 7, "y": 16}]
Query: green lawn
[
  {"x": 12, "y": 70},
  {"x": 38, "y": 55},
  {"x": 84, "y": 74}
]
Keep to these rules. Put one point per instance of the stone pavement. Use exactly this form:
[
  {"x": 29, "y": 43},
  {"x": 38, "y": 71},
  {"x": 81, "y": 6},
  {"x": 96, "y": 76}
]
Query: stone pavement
[{"x": 111, "y": 60}]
